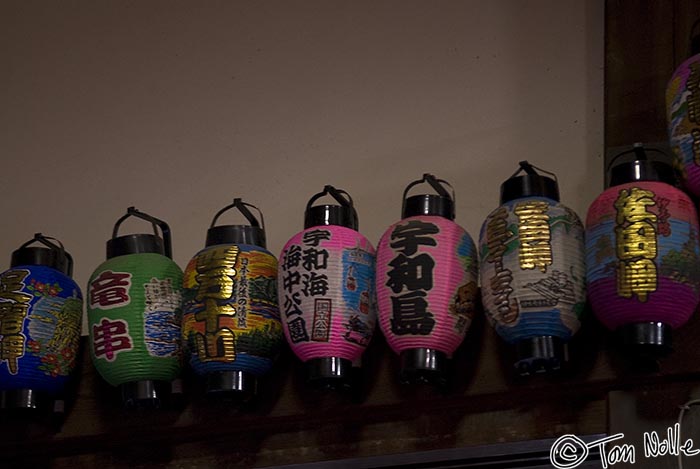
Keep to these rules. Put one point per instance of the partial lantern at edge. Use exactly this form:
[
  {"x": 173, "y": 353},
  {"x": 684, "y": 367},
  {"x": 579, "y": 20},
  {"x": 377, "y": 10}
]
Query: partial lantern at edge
[
  {"x": 231, "y": 324},
  {"x": 326, "y": 288},
  {"x": 643, "y": 253},
  {"x": 40, "y": 313},
  {"x": 683, "y": 115},
  {"x": 532, "y": 270},
  {"x": 134, "y": 314},
  {"x": 426, "y": 283}
]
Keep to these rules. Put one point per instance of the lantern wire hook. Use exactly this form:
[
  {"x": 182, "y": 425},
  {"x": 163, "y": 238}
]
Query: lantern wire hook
[
  {"x": 530, "y": 170},
  {"x": 243, "y": 208}
]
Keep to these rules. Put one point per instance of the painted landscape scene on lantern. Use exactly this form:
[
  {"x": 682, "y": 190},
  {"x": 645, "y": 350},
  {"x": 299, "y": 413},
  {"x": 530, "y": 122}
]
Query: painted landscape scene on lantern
[
  {"x": 231, "y": 318},
  {"x": 358, "y": 295},
  {"x": 643, "y": 252},
  {"x": 532, "y": 269},
  {"x": 162, "y": 317},
  {"x": 40, "y": 350},
  {"x": 683, "y": 114}
]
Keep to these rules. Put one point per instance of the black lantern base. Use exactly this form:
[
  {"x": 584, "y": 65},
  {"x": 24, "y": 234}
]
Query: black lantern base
[
  {"x": 540, "y": 355},
  {"x": 423, "y": 365},
  {"x": 146, "y": 394},
  {"x": 237, "y": 385},
  {"x": 647, "y": 340},
  {"x": 30, "y": 400},
  {"x": 333, "y": 373}
]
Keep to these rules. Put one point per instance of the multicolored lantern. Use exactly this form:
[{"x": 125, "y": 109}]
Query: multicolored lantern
[
  {"x": 326, "y": 288},
  {"x": 426, "y": 283},
  {"x": 683, "y": 115},
  {"x": 231, "y": 324},
  {"x": 531, "y": 251},
  {"x": 40, "y": 313},
  {"x": 134, "y": 314},
  {"x": 642, "y": 254}
]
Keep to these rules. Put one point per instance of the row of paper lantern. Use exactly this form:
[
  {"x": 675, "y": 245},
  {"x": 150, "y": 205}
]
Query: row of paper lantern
[{"x": 232, "y": 307}]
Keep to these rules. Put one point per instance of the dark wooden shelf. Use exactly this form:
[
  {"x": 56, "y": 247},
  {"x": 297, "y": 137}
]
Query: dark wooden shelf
[{"x": 486, "y": 403}]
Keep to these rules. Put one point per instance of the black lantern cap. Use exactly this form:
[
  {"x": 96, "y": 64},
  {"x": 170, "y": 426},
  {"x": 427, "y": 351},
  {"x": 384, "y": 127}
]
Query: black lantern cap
[
  {"x": 253, "y": 234},
  {"x": 540, "y": 355},
  {"x": 530, "y": 184},
  {"x": 423, "y": 365},
  {"x": 237, "y": 385},
  {"x": 141, "y": 243},
  {"x": 441, "y": 204},
  {"x": 343, "y": 214},
  {"x": 646, "y": 340},
  {"x": 641, "y": 168},
  {"x": 695, "y": 38},
  {"x": 53, "y": 255},
  {"x": 332, "y": 373}
]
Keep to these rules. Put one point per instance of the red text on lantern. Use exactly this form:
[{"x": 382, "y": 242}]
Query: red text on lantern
[
  {"x": 110, "y": 290},
  {"x": 111, "y": 337}
]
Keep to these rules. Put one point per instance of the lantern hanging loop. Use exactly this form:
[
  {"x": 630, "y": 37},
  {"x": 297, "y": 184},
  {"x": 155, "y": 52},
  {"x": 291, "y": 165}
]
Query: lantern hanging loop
[
  {"x": 342, "y": 197},
  {"x": 437, "y": 184},
  {"x": 530, "y": 170},
  {"x": 56, "y": 247},
  {"x": 155, "y": 223},
  {"x": 243, "y": 208}
]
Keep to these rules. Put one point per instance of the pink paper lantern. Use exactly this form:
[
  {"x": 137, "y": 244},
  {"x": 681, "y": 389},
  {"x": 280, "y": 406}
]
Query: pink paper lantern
[
  {"x": 426, "y": 284},
  {"x": 642, "y": 255},
  {"x": 326, "y": 291}
]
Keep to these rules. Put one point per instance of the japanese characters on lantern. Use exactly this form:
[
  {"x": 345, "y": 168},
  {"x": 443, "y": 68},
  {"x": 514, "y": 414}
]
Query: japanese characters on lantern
[
  {"x": 40, "y": 312},
  {"x": 635, "y": 241},
  {"x": 327, "y": 288},
  {"x": 642, "y": 253},
  {"x": 231, "y": 318},
  {"x": 410, "y": 277},
  {"x": 426, "y": 284}
]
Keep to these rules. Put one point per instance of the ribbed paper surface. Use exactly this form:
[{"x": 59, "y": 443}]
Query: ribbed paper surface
[
  {"x": 683, "y": 115},
  {"x": 231, "y": 320},
  {"x": 326, "y": 291},
  {"x": 426, "y": 284},
  {"x": 134, "y": 318},
  {"x": 531, "y": 255},
  {"x": 642, "y": 255},
  {"x": 40, "y": 314}
]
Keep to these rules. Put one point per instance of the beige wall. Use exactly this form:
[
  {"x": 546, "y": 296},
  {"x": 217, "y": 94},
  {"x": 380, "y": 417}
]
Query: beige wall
[{"x": 177, "y": 107}]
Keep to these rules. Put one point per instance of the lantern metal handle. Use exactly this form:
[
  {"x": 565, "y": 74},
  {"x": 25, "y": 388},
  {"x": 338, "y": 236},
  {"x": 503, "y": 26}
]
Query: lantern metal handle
[
  {"x": 530, "y": 170},
  {"x": 640, "y": 153},
  {"x": 243, "y": 208},
  {"x": 339, "y": 195},
  {"x": 435, "y": 183},
  {"x": 57, "y": 246},
  {"x": 155, "y": 222}
]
